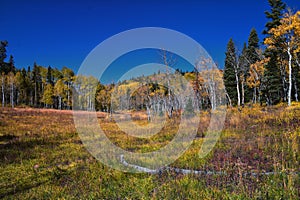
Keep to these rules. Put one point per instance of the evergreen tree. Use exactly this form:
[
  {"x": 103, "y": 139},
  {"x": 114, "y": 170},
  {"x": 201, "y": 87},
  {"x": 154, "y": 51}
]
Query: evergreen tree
[
  {"x": 253, "y": 45},
  {"x": 49, "y": 78},
  {"x": 277, "y": 8},
  {"x": 229, "y": 72},
  {"x": 4, "y": 68},
  {"x": 274, "y": 87},
  {"x": 11, "y": 64},
  {"x": 252, "y": 56},
  {"x": 3, "y": 45}
]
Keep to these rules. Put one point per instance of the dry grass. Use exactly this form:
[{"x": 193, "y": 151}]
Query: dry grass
[{"x": 42, "y": 157}]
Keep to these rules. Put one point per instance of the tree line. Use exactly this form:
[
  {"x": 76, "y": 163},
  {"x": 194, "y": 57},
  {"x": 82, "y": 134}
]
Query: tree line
[
  {"x": 266, "y": 72},
  {"x": 37, "y": 87}
]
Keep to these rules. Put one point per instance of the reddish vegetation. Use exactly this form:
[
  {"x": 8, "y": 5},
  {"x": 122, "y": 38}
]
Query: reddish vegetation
[{"x": 254, "y": 141}]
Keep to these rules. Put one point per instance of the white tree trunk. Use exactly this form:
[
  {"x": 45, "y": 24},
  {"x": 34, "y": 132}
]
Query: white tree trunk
[
  {"x": 243, "y": 91},
  {"x": 11, "y": 77},
  {"x": 237, "y": 87},
  {"x": 229, "y": 100},
  {"x": 290, "y": 75},
  {"x": 12, "y": 94},
  {"x": 148, "y": 113},
  {"x": 283, "y": 79},
  {"x": 212, "y": 95}
]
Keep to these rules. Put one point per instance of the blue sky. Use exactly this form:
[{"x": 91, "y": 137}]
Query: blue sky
[{"x": 62, "y": 33}]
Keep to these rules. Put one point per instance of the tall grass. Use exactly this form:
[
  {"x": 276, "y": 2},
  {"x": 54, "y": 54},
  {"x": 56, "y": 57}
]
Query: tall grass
[{"x": 42, "y": 157}]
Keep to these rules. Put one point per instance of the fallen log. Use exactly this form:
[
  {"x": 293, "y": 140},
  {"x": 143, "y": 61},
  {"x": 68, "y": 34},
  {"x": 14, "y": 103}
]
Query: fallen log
[{"x": 196, "y": 172}]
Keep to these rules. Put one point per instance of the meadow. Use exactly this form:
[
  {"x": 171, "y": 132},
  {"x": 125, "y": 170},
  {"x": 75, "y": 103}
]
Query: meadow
[{"x": 256, "y": 157}]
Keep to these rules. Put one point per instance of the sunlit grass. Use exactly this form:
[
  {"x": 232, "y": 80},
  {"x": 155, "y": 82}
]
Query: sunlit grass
[{"x": 42, "y": 157}]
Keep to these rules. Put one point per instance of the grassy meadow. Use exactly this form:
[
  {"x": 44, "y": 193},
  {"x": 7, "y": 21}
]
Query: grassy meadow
[{"x": 42, "y": 157}]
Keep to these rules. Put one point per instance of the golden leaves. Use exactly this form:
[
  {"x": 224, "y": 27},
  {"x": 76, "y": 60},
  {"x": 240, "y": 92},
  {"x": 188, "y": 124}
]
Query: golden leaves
[
  {"x": 256, "y": 73},
  {"x": 286, "y": 34}
]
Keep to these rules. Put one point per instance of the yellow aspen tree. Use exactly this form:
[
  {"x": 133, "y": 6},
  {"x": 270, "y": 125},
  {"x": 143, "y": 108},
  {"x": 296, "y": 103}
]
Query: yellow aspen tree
[
  {"x": 286, "y": 36},
  {"x": 254, "y": 80}
]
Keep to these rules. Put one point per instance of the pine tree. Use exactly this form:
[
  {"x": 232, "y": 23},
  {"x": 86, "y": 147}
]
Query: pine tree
[
  {"x": 274, "y": 87},
  {"x": 229, "y": 72},
  {"x": 253, "y": 45},
  {"x": 11, "y": 64},
  {"x": 277, "y": 8},
  {"x": 3, "y": 45},
  {"x": 4, "y": 67},
  {"x": 49, "y": 78},
  {"x": 252, "y": 56}
]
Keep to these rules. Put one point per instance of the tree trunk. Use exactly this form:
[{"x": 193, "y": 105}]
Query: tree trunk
[
  {"x": 290, "y": 75},
  {"x": 148, "y": 113},
  {"x": 11, "y": 77},
  {"x": 213, "y": 96},
  {"x": 229, "y": 100},
  {"x": 243, "y": 91},
  {"x": 237, "y": 87}
]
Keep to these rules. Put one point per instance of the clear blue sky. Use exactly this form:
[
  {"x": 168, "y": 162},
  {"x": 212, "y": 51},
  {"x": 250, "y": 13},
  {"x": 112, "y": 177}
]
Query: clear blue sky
[{"x": 62, "y": 33}]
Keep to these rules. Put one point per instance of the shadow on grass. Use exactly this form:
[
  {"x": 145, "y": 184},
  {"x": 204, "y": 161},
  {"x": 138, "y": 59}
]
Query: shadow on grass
[
  {"x": 21, "y": 187},
  {"x": 15, "y": 149},
  {"x": 4, "y": 139}
]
